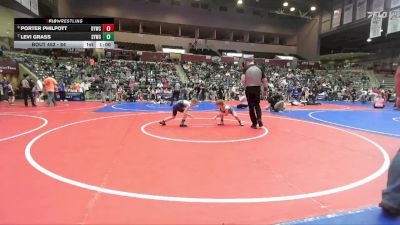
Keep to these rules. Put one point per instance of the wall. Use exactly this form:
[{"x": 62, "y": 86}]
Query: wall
[
  {"x": 64, "y": 8},
  {"x": 7, "y": 21},
  {"x": 154, "y": 56},
  {"x": 308, "y": 40},
  {"x": 184, "y": 14},
  {"x": 304, "y": 32},
  {"x": 184, "y": 42}
]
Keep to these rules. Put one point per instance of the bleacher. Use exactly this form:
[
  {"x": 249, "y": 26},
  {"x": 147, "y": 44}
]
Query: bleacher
[
  {"x": 349, "y": 77},
  {"x": 214, "y": 74},
  {"x": 62, "y": 69},
  {"x": 144, "y": 74},
  {"x": 162, "y": 75},
  {"x": 386, "y": 81}
]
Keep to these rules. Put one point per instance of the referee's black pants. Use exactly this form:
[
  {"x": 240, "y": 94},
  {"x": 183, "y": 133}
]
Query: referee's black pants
[
  {"x": 27, "y": 92},
  {"x": 253, "y": 94}
]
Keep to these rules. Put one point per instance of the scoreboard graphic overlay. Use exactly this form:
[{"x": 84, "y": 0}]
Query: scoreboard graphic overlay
[{"x": 64, "y": 33}]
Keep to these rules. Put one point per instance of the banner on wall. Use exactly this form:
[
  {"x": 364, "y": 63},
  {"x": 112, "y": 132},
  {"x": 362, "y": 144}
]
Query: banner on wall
[
  {"x": 376, "y": 27},
  {"x": 73, "y": 96},
  {"x": 348, "y": 14},
  {"x": 35, "y": 7},
  {"x": 32, "y": 5},
  {"x": 394, "y": 3},
  {"x": 394, "y": 21},
  {"x": 378, "y": 5},
  {"x": 337, "y": 14},
  {"x": 26, "y": 4},
  {"x": 361, "y": 9},
  {"x": 9, "y": 68}
]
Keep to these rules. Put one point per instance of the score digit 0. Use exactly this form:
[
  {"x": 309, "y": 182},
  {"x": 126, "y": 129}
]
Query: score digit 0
[
  {"x": 108, "y": 36},
  {"x": 108, "y": 27}
]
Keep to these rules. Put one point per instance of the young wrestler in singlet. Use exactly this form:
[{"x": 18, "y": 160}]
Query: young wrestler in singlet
[
  {"x": 182, "y": 106},
  {"x": 225, "y": 110}
]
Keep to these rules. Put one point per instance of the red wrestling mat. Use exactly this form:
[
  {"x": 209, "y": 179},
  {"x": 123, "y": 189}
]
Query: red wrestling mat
[
  {"x": 323, "y": 106},
  {"x": 13, "y": 126},
  {"x": 19, "y": 107},
  {"x": 193, "y": 175}
]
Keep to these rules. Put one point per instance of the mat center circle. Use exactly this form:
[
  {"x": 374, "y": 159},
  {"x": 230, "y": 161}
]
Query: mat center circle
[{"x": 229, "y": 132}]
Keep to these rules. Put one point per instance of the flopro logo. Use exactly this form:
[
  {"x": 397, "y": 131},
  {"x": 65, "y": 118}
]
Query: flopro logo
[{"x": 383, "y": 14}]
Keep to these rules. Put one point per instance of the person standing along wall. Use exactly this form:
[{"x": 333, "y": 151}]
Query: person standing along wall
[
  {"x": 39, "y": 87},
  {"x": 50, "y": 85},
  {"x": 184, "y": 92},
  {"x": 10, "y": 93},
  {"x": 106, "y": 92},
  {"x": 2, "y": 92},
  {"x": 61, "y": 90},
  {"x": 176, "y": 93},
  {"x": 252, "y": 78}
]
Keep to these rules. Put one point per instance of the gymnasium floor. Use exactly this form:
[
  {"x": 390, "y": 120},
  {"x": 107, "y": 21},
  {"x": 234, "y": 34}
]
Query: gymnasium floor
[{"x": 90, "y": 163}]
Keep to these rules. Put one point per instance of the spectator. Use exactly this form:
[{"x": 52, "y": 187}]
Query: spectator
[
  {"x": 184, "y": 93},
  {"x": 1, "y": 89},
  {"x": 176, "y": 93},
  {"x": 276, "y": 102},
  {"x": 243, "y": 101},
  {"x": 353, "y": 94},
  {"x": 114, "y": 90},
  {"x": 120, "y": 94},
  {"x": 10, "y": 93},
  {"x": 36, "y": 92},
  {"x": 61, "y": 91},
  {"x": 91, "y": 62},
  {"x": 106, "y": 92},
  {"x": 379, "y": 102},
  {"x": 50, "y": 85},
  {"x": 39, "y": 87}
]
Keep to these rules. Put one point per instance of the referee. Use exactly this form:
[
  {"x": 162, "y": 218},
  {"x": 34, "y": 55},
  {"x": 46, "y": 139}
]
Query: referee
[
  {"x": 252, "y": 78},
  {"x": 27, "y": 86}
]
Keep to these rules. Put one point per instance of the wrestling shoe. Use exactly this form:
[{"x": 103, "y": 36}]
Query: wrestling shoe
[
  {"x": 162, "y": 122},
  {"x": 389, "y": 209},
  {"x": 241, "y": 123}
]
